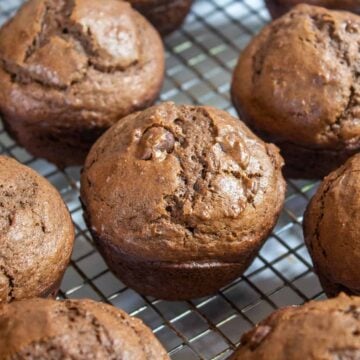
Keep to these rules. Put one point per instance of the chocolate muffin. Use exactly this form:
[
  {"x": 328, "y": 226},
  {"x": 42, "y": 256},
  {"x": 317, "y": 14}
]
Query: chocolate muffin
[
  {"x": 332, "y": 229},
  {"x": 318, "y": 330},
  {"x": 165, "y": 15},
  {"x": 179, "y": 199},
  {"x": 296, "y": 84},
  {"x": 69, "y": 69},
  {"x": 37, "y": 234},
  {"x": 73, "y": 329},
  {"x": 280, "y": 7}
]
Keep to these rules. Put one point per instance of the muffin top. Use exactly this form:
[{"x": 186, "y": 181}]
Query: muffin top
[
  {"x": 332, "y": 226},
  {"x": 82, "y": 55},
  {"x": 325, "y": 330},
  {"x": 73, "y": 329},
  {"x": 177, "y": 183},
  {"x": 36, "y": 232},
  {"x": 298, "y": 79}
]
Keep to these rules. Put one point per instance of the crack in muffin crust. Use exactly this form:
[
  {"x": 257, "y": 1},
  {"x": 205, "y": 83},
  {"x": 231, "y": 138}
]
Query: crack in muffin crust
[
  {"x": 200, "y": 168},
  {"x": 57, "y": 23}
]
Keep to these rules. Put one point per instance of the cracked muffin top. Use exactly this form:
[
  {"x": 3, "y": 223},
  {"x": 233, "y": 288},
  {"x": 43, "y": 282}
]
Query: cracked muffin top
[
  {"x": 298, "y": 82},
  {"x": 36, "y": 233},
  {"x": 332, "y": 227},
  {"x": 318, "y": 330},
  {"x": 182, "y": 183},
  {"x": 73, "y": 329},
  {"x": 99, "y": 60}
]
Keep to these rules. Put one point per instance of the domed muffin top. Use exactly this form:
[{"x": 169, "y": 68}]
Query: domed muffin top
[
  {"x": 73, "y": 329},
  {"x": 298, "y": 79},
  {"x": 36, "y": 232},
  {"x": 182, "y": 183},
  {"x": 82, "y": 54},
  {"x": 332, "y": 226},
  {"x": 325, "y": 330}
]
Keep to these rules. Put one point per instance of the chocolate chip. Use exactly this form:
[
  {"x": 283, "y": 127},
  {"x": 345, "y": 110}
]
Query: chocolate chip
[
  {"x": 156, "y": 143},
  {"x": 235, "y": 147}
]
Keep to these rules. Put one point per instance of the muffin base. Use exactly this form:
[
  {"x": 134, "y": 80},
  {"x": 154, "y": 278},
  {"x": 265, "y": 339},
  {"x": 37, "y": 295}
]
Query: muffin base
[
  {"x": 172, "y": 281},
  {"x": 63, "y": 147},
  {"x": 306, "y": 163},
  {"x": 167, "y": 16},
  {"x": 332, "y": 289}
]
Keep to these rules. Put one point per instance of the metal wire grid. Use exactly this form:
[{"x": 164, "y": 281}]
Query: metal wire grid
[{"x": 200, "y": 59}]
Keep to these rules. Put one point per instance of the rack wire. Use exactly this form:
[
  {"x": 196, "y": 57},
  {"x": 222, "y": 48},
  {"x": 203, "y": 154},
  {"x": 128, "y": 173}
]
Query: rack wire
[{"x": 200, "y": 58}]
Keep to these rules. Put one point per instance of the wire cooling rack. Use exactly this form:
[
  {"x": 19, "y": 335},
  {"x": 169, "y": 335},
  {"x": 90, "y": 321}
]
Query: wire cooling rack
[{"x": 200, "y": 58}]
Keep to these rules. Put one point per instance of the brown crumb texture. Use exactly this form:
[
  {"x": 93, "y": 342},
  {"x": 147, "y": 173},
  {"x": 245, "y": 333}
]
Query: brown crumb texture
[
  {"x": 181, "y": 184},
  {"x": 73, "y": 329},
  {"x": 36, "y": 234},
  {"x": 323, "y": 330},
  {"x": 331, "y": 228},
  {"x": 297, "y": 84},
  {"x": 72, "y": 71}
]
